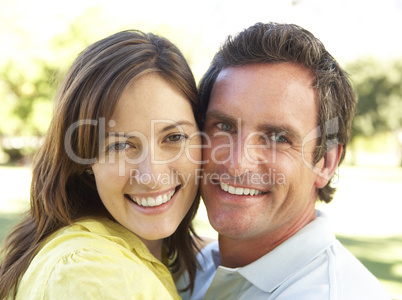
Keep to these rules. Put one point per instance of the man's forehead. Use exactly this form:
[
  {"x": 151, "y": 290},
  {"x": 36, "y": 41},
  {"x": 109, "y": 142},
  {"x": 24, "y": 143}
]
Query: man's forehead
[
  {"x": 264, "y": 69},
  {"x": 266, "y": 96}
]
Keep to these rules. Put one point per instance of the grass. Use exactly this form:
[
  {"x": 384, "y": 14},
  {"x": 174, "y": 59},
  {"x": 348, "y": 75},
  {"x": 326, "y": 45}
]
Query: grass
[
  {"x": 382, "y": 256},
  {"x": 365, "y": 214}
]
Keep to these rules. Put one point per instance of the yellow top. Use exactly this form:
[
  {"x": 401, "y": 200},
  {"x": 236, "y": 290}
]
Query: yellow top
[{"x": 96, "y": 259}]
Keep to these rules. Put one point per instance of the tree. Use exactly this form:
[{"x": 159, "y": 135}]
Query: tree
[
  {"x": 379, "y": 96},
  {"x": 28, "y": 82}
]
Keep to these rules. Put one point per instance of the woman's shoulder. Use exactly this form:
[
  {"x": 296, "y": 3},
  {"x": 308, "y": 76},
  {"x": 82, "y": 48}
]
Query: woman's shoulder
[
  {"x": 92, "y": 254},
  {"x": 88, "y": 232},
  {"x": 90, "y": 241},
  {"x": 89, "y": 237},
  {"x": 93, "y": 272},
  {"x": 86, "y": 240}
]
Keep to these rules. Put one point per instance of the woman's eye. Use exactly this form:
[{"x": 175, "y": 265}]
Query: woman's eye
[
  {"x": 224, "y": 126},
  {"x": 118, "y": 146},
  {"x": 176, "y": 137}
]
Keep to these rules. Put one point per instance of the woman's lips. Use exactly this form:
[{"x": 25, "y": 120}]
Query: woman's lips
[{"x": 153, "y": 201}]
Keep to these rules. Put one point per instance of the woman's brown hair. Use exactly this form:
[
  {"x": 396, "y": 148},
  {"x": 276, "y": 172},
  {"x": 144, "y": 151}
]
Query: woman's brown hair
[{"x": 61, "y": 191}]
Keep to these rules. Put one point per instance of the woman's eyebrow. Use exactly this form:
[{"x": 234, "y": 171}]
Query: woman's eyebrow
[
  {"x": 172, "y": 125},
  {"x": 117, "y": 134},
  {"x": 175, "y": 124}
]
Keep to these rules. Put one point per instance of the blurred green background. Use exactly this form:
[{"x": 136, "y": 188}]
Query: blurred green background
[{"x": 39, "y": 40}]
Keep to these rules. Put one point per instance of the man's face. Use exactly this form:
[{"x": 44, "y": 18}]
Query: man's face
[{"x": 256, "y": 181}]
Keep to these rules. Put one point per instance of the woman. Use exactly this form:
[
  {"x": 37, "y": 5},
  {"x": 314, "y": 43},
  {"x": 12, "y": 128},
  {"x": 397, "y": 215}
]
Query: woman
[{"x": 114, "y": 186}]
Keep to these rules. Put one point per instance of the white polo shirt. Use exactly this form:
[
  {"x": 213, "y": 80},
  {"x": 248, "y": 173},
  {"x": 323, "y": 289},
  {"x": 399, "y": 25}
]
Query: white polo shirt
[{"x": 310, "y": 265}]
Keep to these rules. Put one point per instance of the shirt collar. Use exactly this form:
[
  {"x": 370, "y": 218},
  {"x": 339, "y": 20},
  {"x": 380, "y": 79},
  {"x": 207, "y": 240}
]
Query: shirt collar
[
  {"x": 120, "y": 235},
  {"x": 290, "y": 256},
  {"x": 216, "y": 257}
]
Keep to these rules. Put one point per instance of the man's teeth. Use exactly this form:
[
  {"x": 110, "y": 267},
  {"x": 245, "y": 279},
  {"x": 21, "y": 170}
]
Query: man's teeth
[
  {"x": 238, "y": 190},
  {"x": 150, "y": 201}
]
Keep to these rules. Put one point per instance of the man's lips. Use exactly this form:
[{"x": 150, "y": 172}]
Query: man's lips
[
  {"x": 240, "y": 190},
  {"x": 153, "y": 201}
]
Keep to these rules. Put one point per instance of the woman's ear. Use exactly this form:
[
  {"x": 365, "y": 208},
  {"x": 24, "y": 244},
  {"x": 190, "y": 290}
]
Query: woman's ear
[{"x": 327, "y": 165}]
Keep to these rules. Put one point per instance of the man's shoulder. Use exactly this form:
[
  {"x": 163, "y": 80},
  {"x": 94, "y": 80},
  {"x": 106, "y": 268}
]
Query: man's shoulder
[
  {"x": 209, "y": 254},
  {"x": 337, "y": 273},
  {"x": 352, "y": 277},
  {"x": 208, "y": 259}
]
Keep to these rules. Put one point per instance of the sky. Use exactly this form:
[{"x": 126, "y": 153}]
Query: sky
[{"x": 349, "y": 28}]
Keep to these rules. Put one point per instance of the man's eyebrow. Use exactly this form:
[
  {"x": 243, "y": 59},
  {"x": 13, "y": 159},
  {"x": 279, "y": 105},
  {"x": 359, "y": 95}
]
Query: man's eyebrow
[
  {"x": 220, "y": 116},
  {"x": 265, "y": 128},
  {"x": 280, "y": 129}
]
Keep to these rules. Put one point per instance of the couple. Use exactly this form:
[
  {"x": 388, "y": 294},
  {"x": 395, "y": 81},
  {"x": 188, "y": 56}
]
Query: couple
[{"x": 116, "y": 183}]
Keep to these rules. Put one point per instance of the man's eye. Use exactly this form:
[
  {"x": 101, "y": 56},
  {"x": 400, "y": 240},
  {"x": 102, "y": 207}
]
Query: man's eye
[
  {"x": 224, "y": 126},
  {"x": 278, "y": 138}
]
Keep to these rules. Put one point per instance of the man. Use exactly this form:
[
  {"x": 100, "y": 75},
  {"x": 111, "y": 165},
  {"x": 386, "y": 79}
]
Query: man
[{"x": 278, "y": 112}]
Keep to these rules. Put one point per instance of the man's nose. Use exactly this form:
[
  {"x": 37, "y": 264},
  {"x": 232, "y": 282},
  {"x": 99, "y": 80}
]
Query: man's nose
[{"x": 245, "y": 157}]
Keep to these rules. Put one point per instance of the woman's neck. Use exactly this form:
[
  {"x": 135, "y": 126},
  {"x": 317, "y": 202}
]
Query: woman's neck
[{"x": 154, "y": 246}]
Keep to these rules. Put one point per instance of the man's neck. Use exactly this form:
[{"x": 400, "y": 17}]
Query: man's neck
[{"x": 239, "y": 252}]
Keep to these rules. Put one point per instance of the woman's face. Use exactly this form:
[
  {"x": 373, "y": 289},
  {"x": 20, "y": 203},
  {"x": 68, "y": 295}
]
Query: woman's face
[{"x": 148, "y": 168}]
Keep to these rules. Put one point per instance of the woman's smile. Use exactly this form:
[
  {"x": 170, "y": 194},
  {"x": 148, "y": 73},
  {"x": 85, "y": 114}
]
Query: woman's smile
[{"x": 153, "y": 200}]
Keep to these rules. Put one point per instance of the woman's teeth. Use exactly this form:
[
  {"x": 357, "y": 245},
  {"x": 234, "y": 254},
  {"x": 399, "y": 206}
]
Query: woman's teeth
[
  {"x": 150, "y": 201},
  {"x": 238, "y": 190}
]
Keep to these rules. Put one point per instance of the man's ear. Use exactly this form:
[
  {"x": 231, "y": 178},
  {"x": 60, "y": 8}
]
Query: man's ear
[{"x": 327, "y": 165}]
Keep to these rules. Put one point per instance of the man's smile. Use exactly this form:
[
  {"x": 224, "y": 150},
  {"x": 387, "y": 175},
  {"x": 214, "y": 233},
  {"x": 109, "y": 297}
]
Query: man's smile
[{"x": 239, "y": 190}]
